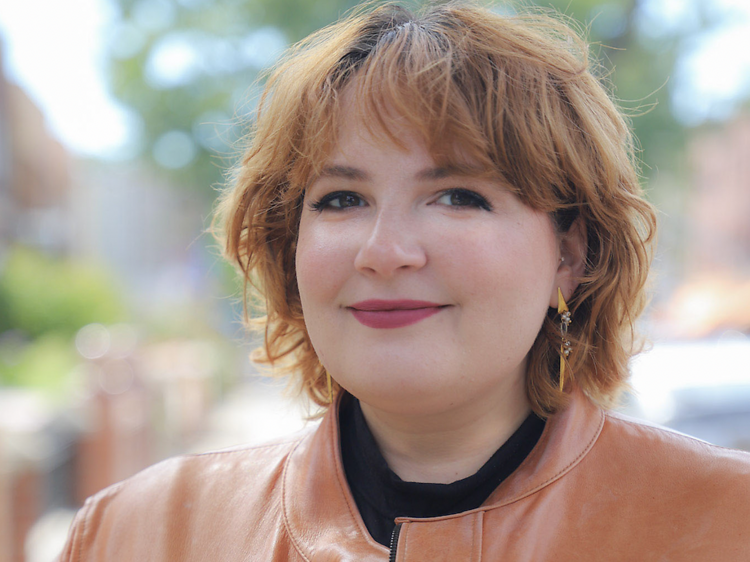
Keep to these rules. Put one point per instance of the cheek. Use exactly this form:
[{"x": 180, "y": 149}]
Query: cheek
[
  {"x": 323, "y": 262},
  {"x": 309, "y": 258},
  {"x": 320, "y": 262},
  {"x": 505, "y": 272},
  {"x": 502, "y": 255}
]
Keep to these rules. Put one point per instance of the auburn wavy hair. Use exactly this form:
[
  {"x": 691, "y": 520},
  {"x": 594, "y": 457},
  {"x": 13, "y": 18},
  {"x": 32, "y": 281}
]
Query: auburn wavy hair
[{"x": 514, "y": 93}]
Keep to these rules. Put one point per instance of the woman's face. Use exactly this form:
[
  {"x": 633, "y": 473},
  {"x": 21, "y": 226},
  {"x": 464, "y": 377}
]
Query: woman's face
[{"x": 421, "y": 290}]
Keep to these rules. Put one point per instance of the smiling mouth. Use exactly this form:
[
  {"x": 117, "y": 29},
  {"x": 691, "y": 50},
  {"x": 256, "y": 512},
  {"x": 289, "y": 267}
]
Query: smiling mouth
[{"x": 382, "y": 314}]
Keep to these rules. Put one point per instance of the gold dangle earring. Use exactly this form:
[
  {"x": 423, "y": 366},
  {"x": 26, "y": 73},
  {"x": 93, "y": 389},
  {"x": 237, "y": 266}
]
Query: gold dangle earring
[
  {"x": 562, "y": 310},
  {"x": 330, "y": 387}
]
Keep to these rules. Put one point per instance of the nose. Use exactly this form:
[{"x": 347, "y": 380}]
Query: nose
[{"x": 390, "y": 246}]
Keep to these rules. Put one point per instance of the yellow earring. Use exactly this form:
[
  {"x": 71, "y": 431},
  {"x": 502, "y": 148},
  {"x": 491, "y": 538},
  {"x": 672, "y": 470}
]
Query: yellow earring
[
  {"x": 330, "y": 387},
  {"x": 562, "y": 310}
]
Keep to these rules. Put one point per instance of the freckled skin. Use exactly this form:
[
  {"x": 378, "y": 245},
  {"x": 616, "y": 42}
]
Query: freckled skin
[{"x": 496, "y": 270}]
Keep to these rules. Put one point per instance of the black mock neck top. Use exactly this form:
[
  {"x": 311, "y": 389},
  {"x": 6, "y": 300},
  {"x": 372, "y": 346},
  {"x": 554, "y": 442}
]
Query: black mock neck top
[{"x": 381, "y": 495}]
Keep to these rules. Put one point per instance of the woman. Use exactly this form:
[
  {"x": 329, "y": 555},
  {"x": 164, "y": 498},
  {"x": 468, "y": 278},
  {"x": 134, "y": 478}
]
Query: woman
[{"x": 442, "y": 216}]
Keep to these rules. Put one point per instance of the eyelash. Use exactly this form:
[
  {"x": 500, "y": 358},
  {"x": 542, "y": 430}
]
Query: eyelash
[
  {"x": 324, "y": 202},
  {"x": 477, "y": 201}
]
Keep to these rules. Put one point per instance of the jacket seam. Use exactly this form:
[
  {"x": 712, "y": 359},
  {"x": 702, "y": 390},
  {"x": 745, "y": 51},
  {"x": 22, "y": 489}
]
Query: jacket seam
[
  {"x": 287, "y": 525},
  {"x": 284, "y": 516},
  {"x": 561, "y": 472},
  {"x": 112, "y": 489},
  {"x": 81, "y": 535},
  {"x": 582, "y": 454},
  {"x": 403, "y": 534},
  {"x": 473, "y": 534},
  {"x": 480, "y": 519},
  {"x": 241, "y": 449},
  {"x": 343, "y": 485},
  {"x": 667, "y": 431},
  {"x": 81, "y": 531}
]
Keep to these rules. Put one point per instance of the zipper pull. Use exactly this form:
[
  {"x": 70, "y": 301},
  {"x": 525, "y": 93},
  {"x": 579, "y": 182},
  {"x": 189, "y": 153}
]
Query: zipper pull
[{"x": 394, "y": 542}]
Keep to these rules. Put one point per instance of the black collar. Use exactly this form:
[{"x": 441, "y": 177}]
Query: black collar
[{"x": 381, "y": 495}]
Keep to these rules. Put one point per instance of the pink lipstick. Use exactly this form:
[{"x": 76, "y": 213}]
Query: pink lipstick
[{"x": 377, "y": 313}]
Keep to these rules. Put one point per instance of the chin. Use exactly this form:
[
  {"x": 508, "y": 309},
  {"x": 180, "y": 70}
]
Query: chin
[{"x": 399, "y": 389}]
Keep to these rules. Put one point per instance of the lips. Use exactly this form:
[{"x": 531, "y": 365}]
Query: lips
[{"x": 384, "y": 314}]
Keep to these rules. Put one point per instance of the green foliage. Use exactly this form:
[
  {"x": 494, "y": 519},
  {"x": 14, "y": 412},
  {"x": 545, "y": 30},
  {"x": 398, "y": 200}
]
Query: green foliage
[
  {"x": 44, "y": 363},
  {"x": 40, "y": 295}
]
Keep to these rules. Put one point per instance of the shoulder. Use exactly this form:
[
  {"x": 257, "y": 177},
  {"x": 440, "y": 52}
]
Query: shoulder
[
  {"x": 678, "y": 494},
  {"x": 641, "y": 433},
  {"x": 670, "y": 455},
  {"x": 185, "y": 492},
  {"x": 211, "y": 474}
]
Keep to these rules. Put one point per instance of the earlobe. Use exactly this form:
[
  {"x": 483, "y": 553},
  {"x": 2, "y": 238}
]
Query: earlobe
[{"x": 572, "y": 265}]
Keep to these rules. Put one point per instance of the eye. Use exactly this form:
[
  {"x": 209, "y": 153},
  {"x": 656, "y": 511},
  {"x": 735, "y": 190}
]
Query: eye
[
  {"x": 460, "y": 197},
  {"x": 338, "y": 200}
]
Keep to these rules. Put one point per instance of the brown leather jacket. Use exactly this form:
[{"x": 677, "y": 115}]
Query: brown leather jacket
[{"x": 597, "y": 487}]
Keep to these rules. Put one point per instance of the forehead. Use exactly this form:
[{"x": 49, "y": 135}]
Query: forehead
[
  {"x": 365, "y": 130},
  {"x": 364, "y": 118},
  {"x": 360, "y": 137}
]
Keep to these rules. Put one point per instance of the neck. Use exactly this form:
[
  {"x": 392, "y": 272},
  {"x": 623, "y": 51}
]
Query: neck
[{"x": 445, "y": 447}]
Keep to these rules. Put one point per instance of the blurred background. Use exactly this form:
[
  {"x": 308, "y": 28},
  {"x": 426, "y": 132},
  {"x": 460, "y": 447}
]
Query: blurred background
[{"x": 120, "y": 334}]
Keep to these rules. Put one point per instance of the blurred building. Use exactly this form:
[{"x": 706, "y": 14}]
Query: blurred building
[
  {"x": 713, "y": 294},
  {"x": 696, "y": 379},
  {"x": 34, "y": 174},
  {"x": 718, "y": 235},
  {"x": 145, "y": 230}
]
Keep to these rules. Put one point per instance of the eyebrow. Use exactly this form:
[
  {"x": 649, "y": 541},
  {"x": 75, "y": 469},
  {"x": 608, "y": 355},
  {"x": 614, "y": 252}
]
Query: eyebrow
[
  {"x": 346, "y": 172},
  {"x": 356, "y": 174}
]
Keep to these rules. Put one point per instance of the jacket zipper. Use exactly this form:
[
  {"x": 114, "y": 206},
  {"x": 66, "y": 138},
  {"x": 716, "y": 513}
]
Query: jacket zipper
[{"x": 394, "y": 542}]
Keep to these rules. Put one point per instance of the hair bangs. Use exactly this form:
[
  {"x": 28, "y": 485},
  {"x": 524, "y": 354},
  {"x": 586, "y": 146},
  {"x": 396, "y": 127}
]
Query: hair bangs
[
  {"x": 471, "y": 89},
  {"x": 405, "y": 82}
]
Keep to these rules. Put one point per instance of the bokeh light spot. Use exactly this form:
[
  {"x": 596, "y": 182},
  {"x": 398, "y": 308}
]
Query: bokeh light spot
[{"x": 174, "y": 150}]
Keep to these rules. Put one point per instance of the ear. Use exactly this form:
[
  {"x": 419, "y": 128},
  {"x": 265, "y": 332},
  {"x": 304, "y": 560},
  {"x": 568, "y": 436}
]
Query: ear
[{"x": 572, "y": 266}]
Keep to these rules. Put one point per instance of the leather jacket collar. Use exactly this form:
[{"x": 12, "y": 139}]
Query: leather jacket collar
[{"x": 321, "y": 515}]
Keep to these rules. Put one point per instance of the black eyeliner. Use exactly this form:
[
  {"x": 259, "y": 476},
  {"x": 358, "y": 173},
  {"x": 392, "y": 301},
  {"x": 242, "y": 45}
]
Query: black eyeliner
[
  {"x": 322, "y": 203},
  {"x": 480, "y": 201}
]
